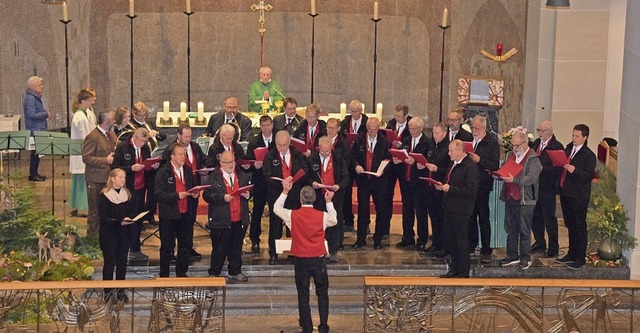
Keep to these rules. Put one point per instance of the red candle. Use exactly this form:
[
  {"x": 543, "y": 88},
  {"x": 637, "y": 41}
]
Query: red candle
[{"x": 499, "y": 49}]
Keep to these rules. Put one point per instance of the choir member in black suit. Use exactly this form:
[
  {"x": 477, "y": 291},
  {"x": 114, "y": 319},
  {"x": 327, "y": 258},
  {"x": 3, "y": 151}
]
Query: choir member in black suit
[
  {"x": 282, "y": 162},
  {"x": 439, "y": 163},
  {"x": 326, "y": 167},
  {"x": 544, "y": 215},
  {"x": 114, "y": 210},
  {"x": 173, "y": 180},
  {"x": 369, "y": 151},
  {"x": 230, "y": 115},
  {"x": 487, "y": 158},
  {"x": 355, "y": 123},
  {"x": 414, "y": 198},
  {"x": 224, "y": 142},
  {"x": 129, "y": 156},
  {"x": 290, "y": 120},
  {"x": 311, "y": 129},
  {"x": 228, "y": 217},
  {"x": 575, "y": 193},
  {"x": 263, "y": 139},
  {"x": 400, "y": 125},
  {"x": 456, "y": 131},
  {"x": 460, "y": 189}
]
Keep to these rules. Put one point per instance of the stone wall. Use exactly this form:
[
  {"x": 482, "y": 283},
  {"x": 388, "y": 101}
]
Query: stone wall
[{"x": 225, "y": 47}]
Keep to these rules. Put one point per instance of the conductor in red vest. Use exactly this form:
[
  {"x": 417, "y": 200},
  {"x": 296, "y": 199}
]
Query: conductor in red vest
[{"x": 307, "y": 246}]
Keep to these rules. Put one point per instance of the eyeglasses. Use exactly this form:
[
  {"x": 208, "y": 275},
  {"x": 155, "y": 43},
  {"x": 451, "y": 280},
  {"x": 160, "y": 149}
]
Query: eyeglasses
[
  {"x": 540, "y": 130},
  {"x": 519, "y": 145},
  {"x": 453, "y": 119}
]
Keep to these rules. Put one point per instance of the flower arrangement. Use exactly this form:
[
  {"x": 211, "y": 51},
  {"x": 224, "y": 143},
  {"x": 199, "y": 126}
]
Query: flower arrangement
[
  {"x": 594, "y": 260},
  {"x": 506, "y": 137}
]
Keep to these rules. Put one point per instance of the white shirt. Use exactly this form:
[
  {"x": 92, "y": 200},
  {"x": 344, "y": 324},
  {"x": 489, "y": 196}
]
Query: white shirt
[
  {"x": 372, "y": 142},
  {"x": 329, "y": 218},
  {"x": 228, "y": 177},
  {"x": 521, "y": 156},
  {"x": 178, "y": 172},
  {"x": 355, "y": 124},
  {"x": 414, "y": 142},
  {"x": 287, "y": 158},
  {"x": 267, "y": 141},
  {"x": 575, "y": 150},
  {"x": 187, "y": 150}
]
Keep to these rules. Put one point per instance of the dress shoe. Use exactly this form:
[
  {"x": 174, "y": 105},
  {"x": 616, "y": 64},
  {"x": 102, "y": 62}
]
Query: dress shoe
[
  {"x": 575, "y": 265},
  {"x": 449, "y": 274},
  {"x": 195, "y": 254},
  {"x": 137, "y": 257},
  {"x": 333, "y": 257},
  {"x": 341, "y": 247},
  {"x": 551, "y": 254},
  {"x": 37, "y": 178},
  {"x": 377, "y": 246},
  {"x": 537, "y": 249},
  {"x": 273, "y": 259},
  {"x": 564, "y": 260},
  {"x": 255, "y": 247},
  {"x": 404, "y": 244},
  {"x": 485, "y": 259},
  {"x": 359, "y": 244},
  {"x": 238, "y": 277}
]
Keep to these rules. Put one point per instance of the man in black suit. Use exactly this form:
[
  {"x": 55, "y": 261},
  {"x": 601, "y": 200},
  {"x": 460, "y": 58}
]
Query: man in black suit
[
  {"x": 355, "y": 123},
  {"x": 230, "y": 115},
  {"x": 414, "y": 195},
  {"x": 326, "y": 167},
  {"x": 342, "y": 148},
  {"x": 172, "y": 182},
  {"x": 575, "y": 193},
  {"x": 456, "y": 119},
  {"x": 224, "y": 142},
  {"x": 396, "y": 171},
  {"x": 439, "y": 163},
  {"x": 311, "y": 129},
  {"x": 369, "y": 150},
  {"x": 544, "y": 214},
  {"x": 290, "y": 120},
  {"x": 263, "y": 139},
  {"x": 487, "y": 158},
  {"x": 460, "y": 189},
  {"x": 282, "y": 162}
]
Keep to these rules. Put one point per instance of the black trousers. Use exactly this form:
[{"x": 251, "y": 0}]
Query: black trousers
[
  {"x": 434, "y": 206},
  {"x": 396, "y": 174},
  {"x": 382, "y": 200},
  {"x": 114, "y": 244},
  {"x": 34, "y": 163},
  {"x": 275, "y": 230},
  {"x": 259, "y": 201},
  {"x": 480, "y": 217},
  {"x": 334, "y": 235},
  {"x": 347, "y": 201},
  {"x": 414, "y": 206},
  {"x": 544, "y": 218},
  {"x": 458, "y": 241},
  {"x": 226, "y": 243},
  {"x": 171, "y": 230},
  {"x": 151, "y": 203},
  {"x": 137, "y": 199},
  {"x": 574, "y": 212},
  {"x": 305, "y": 269}
]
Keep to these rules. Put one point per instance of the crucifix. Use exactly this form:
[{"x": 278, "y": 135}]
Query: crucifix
[{"x": 262, "y": 7}]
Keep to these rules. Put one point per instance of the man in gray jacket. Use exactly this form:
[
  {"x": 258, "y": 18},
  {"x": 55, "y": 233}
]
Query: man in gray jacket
[{"x": 520, "y": 192}]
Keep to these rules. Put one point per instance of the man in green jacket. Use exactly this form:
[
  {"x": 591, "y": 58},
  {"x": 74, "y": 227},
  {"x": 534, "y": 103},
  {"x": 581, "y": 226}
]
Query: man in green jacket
[{"x": 265, "y": 89}]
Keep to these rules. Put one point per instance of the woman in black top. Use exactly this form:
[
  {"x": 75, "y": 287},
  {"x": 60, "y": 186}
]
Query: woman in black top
[{"x": 114, "y": 205}]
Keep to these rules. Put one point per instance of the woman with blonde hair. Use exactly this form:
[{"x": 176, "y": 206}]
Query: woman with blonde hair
[{"x": 114, "y": 206}]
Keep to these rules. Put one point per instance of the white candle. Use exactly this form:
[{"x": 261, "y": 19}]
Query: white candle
[
  {"x": 165, "y": 109},
  {"x": 131, "y": 10},
  {"x": 183, "y": 111},
  {"x": 363, "y": 108},
  {"x": 200, "y": 111},
  {"x": 343, "y": 110},
  {"x": 379, "y": 110},
  {"x": 375, "y": 11},
  {"x": 65, "y": 13},
  {"x": 188, "y": 6},
  {"x": 313, "y": 7},
  {"x": 445, "y": 17}
]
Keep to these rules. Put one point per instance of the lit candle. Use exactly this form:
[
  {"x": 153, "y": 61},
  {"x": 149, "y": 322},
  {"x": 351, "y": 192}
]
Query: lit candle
[
  {"x": 375, "y": 11},
  {"x": 183, "y": 111},
  {"x": 131, "y": 6},
  {"x": 379, "y": 110},
  {"x": 445, "y": 17},
  {"x": 65, "y": 13},
  {"x": 165, "y": 109},
  {"x": 363, "y": 108},
  {"x": 200, "y": 111},
  {"x": 343, "y": 110},
  {"x": 189, "y": 6},
  {"x": 313, "y": 7}
]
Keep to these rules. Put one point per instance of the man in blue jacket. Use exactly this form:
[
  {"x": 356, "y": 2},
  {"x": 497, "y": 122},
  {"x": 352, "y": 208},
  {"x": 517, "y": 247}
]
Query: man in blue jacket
[{"x": 35, "y": 119}]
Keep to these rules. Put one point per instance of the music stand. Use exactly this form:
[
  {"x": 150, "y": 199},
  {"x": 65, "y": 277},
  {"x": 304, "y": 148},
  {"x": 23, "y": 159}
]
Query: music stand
[
  {"x": 12, "y": 140},
  {"x": 55, "y": 143}
]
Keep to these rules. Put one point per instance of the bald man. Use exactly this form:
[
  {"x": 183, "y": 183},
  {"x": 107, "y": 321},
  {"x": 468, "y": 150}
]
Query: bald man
[{"x": 265, "y": 89}]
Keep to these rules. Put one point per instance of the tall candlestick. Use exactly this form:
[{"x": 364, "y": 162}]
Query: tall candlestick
[
  {"x": 375, "y": 11},
  {"x": 183, "y": 111},
  {"x": 343, "y": 110},
  {"x": 379, "y": 110},
  {"x": 132, "y": 12},
  {"x": 65, "y": 13},
  {"x": 445, "y": 17},
  {"x": 200, "y": 111},
  {"x": 165, "y": 110},
  {"x": 313, "y": 7},
  {"x": 189, "y": 6}
]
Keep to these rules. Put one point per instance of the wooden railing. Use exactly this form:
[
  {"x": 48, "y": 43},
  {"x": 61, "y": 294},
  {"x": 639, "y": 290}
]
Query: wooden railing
[
  {"x": 426, "y": 304},
  {"x": 189, "y": 304}
]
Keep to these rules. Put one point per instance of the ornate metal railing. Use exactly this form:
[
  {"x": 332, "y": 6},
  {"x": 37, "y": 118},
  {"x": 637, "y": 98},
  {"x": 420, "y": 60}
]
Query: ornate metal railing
[
  {"x": 157, "y": 305},
  {"x": 428, "y": 304}
]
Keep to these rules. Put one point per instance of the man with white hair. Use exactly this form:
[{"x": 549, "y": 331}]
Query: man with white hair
[
  {"x": 35, "y": 119},
  {"x": 265, "y": 89}
]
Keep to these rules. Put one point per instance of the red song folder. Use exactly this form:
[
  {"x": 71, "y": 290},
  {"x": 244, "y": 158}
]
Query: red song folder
[
  {"x": 420, "y": 159},
  {"x": 468, "y": 147},
  {"x": 558, "y": 157},
  {"x": 400, "y": 154},
  {"x": 509, "y": 168},
  {"x": 260, "y": 153},
  {"x": 431, "y": 181},
  {"x": 242, "y": 190},
  {"x": 299, "y": 145}
]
